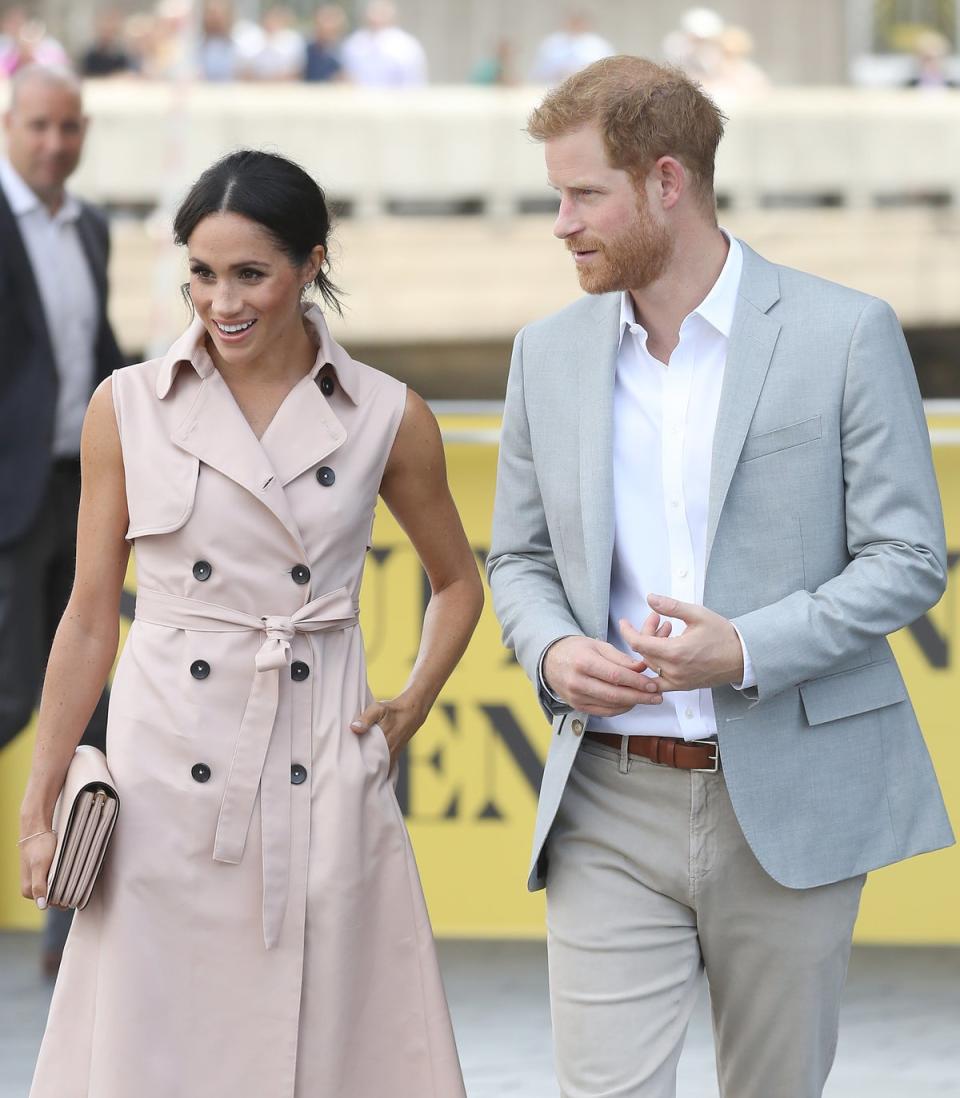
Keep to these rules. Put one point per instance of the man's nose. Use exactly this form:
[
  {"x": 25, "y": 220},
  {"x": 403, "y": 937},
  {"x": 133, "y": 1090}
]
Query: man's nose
[
  {"x": 567, "y": 223},
  {"x": 55, "y": 140}
]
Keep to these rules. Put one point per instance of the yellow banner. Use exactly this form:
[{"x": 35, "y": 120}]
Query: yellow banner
[{"x": 468, "y": 783}]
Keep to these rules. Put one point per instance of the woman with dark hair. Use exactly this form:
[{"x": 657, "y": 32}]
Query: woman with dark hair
[{"x": 258, "y": 930}]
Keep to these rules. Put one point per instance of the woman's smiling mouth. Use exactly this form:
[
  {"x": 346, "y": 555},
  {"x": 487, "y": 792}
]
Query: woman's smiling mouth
[{"x": 234, "y": 332}]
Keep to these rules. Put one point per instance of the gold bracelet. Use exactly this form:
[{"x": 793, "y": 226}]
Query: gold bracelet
[{"x": 35, "y": 835}]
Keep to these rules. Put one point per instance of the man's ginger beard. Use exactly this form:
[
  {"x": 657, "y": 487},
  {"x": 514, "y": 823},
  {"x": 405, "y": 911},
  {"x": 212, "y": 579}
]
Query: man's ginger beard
[{"x": 630, "y": 261}]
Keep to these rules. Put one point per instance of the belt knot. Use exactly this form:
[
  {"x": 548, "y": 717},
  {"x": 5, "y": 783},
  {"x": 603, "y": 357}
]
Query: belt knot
[{"x": 274, "y": 653}]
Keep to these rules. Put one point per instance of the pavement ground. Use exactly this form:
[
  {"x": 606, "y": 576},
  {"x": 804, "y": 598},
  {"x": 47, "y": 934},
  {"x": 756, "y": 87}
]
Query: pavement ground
[{"x": 899, "y": 1038}]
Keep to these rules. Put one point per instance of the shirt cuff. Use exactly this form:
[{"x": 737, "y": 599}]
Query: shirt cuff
[
  {"x": 542, "y": 682},
  {"x": 749, "y": 677}
]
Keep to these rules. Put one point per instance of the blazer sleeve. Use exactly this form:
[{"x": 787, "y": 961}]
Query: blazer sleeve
[
  {"x": 528, "y": 594},
  {"x": 895, "y": 535}
]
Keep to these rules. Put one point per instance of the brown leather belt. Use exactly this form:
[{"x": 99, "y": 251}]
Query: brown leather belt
[{"x": 701, "y": 755}]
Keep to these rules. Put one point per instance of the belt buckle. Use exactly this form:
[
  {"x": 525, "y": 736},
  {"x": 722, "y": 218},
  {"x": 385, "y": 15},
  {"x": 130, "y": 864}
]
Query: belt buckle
[{"x": 715, "y": 760}]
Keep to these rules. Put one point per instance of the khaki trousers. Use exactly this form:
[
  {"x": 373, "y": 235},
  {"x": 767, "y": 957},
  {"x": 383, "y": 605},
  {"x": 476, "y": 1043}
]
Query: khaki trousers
[{"x": 650, "y": 882}]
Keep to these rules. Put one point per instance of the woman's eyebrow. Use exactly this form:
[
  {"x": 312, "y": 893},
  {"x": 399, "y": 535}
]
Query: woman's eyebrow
[{"x": 234, "y": 266}]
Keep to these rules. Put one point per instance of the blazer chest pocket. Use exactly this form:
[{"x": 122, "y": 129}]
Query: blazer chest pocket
[
  {"x": 859, "y": 690},
  {"x": 783, "y": 438}
]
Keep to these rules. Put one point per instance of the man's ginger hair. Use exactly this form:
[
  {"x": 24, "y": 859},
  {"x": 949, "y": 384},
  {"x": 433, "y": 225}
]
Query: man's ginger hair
[{"x": 644, "y": 111}]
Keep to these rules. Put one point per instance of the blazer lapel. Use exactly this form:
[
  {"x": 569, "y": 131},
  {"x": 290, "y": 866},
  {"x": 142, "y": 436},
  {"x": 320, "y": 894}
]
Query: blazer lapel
[
  {"x": 94, "y": 252},
  {"x": 753, "y": 338},
  {"x": 592, "y": 348},
  {"x": 22, "y": 281},
  {"x": 216, "y": 431}
]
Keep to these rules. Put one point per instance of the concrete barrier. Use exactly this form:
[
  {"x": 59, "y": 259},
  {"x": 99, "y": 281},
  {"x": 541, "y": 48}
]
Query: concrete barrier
[{"x": 372, "y": 149}]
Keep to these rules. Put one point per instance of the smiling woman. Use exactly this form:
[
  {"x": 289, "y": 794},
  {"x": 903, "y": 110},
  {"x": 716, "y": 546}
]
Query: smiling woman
[{"x": 261, "y": 894}]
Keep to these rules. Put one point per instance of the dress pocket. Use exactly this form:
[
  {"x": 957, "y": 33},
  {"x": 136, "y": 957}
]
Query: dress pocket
[{"x": 377, "y": 732}]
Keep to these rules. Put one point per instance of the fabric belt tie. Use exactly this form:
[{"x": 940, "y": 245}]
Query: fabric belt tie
[{"x": 248, "y": 770}]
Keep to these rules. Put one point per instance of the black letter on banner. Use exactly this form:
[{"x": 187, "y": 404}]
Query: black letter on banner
[
  {"x": 935, "y": 647},
  {"x": 505, "y": 725},
  {"x": 435, "y": 762}
]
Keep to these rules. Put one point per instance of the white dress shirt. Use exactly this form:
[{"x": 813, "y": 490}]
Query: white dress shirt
[
  {"x": 68, "y": 295},
  {"x": 663, "y": 425},
  {"x": 385, "y": 58}
]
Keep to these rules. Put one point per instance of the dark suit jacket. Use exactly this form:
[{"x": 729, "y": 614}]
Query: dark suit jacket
[{"x": 28, "y": 375}]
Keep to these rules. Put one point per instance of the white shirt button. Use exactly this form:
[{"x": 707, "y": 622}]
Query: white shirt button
[
  {"x": 688, "y": 713},
  {"x": 682, "y": 573}
]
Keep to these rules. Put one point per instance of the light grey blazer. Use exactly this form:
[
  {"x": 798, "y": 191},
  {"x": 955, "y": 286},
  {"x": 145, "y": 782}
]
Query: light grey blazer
[{"x": 825, "y": 534}]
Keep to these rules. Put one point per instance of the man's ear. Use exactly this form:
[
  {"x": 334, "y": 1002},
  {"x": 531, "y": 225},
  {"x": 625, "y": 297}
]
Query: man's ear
[{"x": 671, "y": 180}]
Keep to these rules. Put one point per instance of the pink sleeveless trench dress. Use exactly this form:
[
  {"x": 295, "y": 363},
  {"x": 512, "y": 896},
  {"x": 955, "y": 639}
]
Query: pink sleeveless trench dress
[{"x": 259, "y": 929}]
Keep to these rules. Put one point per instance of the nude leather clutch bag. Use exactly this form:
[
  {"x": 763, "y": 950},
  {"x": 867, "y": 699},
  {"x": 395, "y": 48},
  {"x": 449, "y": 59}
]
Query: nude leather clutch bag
[{"x": 84, "y": 819}]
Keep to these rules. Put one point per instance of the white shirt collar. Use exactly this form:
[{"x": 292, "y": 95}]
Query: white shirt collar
[
  {"x": 717, "y": 308},
  {"x": 23, "y": 200}
]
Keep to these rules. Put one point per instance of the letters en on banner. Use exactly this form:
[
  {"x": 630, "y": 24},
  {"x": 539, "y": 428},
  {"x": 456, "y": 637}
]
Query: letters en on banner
[{"x": 468, "y": 783}]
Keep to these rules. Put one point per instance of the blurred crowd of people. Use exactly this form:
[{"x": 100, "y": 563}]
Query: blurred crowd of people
[
  {"x": 716, "y": 53},
  {"x": 162, "y": 44},
  {"x": 157, "y": 45},
  {"x": 378, "y": 52}
]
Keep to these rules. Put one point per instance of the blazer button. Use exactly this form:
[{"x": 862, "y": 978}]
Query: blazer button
[
  {"x": 326, "y": 476},
  {"x": 199, "y": 669},
  {"x": 326, "y": 386},
  {"x": 201, "y": 772},
  {"x": 299, "y": 671},
  {"x": 202, "y": 570},
  {"x": 300, "y": 574},
  {"x": 298, "y": 774},
  {"x": 577, "y": 727}
]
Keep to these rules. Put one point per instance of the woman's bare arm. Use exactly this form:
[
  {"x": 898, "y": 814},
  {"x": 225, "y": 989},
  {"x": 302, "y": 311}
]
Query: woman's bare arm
[
  {"x": 86, "y": 640},
  {"x": 415, "y": 489}
]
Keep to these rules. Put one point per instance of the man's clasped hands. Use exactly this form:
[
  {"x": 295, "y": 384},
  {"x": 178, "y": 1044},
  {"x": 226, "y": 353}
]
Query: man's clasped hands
[{"x": 596, "y": 677}]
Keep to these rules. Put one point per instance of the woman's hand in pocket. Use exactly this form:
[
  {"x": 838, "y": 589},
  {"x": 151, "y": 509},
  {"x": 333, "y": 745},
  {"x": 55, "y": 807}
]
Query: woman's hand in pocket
[{"x": 399, "y": 719}]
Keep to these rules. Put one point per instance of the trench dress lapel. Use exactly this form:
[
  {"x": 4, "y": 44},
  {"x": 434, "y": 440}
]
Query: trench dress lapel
[{"x": 303, "y": 432}]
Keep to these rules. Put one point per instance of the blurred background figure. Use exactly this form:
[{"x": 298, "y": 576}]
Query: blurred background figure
[
  {"x": 696, "y": 45},
  {"x": 139, "y": 32},
  {"x": 930, "y": 53},
  {"x": 568, "y": 50},
  {"x": 217, "y": 48},
  {"x": 282, "y": 51},
  {"x": 57, "y": 347},
  {"x": 497, "y": 68},
  {"x": 107, "y": 55},
  {"x": 167, "y": 58},
  {"x": 382, "y": 55},
  {"x": 737, "y": 74},
  {"x": 324, "y": 60},
  {"x": 24, "y": 40}
]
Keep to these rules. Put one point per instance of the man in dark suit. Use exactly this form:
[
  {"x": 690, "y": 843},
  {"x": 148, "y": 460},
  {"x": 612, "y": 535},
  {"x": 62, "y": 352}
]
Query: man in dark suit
[{"x": 57, "y": 345}]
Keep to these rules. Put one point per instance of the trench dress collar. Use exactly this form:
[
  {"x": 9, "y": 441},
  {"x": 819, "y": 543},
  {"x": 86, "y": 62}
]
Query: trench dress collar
[{"x": 304, "y": 431}]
